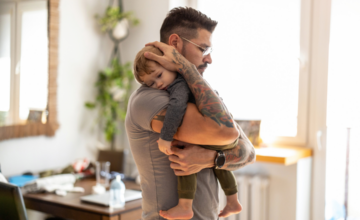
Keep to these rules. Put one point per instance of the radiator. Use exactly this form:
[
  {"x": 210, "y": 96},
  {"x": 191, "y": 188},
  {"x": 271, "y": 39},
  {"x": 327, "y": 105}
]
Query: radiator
[{"x": 253, "y": 196}]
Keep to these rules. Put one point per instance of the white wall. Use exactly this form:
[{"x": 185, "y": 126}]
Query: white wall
[
  {"x": 83, "y": 50},
  {"x": 289, "y": 188}
]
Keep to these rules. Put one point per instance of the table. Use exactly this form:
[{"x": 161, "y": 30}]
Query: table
[{"x": 71, "y": 207}]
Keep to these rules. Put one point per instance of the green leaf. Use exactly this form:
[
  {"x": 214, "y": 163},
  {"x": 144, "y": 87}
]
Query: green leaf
[
  {"x": 111, "y": 111},
  {"x": 90, "y": 105}
]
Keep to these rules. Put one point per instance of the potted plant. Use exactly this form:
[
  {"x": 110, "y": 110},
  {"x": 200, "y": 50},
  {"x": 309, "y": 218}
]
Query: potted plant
[{"x": 114, "y": 82}]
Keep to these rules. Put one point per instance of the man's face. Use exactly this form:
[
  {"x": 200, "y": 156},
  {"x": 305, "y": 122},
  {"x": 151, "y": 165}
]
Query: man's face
[{"x": 194, "y": 54}]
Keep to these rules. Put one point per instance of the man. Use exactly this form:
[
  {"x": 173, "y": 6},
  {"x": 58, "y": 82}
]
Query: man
[{"x": 186, "y": 43}]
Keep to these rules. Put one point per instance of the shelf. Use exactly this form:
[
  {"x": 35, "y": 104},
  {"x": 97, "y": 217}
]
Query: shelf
[{"x": 282, "y": 155}]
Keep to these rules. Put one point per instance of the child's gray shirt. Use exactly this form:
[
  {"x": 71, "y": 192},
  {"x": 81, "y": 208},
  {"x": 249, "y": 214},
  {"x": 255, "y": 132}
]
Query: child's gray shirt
[{"x": 180, "y": 95}]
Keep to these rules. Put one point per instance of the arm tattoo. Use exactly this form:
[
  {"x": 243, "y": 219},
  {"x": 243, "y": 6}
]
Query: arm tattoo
[
  {"x": 160, "y": 116},
  {"x": 241, "y": 155},
  {"x": 207, "y": 101},
  {"x": 239, "y": 165}
]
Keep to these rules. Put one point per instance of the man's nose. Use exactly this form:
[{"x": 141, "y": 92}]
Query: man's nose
[{"x": 207, "y": 59}]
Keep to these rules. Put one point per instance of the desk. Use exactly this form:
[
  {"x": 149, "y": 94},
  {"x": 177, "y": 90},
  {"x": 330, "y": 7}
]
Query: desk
[{"x": 71, "y": 207}]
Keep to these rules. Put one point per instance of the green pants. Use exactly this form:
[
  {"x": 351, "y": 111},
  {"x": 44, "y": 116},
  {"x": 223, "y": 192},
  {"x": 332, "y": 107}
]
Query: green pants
[{"x": 187, "y": 184}]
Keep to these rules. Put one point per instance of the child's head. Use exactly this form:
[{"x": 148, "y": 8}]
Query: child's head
[{"x": 151, "y": 73}]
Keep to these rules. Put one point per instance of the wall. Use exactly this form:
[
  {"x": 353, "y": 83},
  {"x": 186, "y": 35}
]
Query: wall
[
  {"x": 151, "y": 15},
  {"x": 289, "y": 188}
]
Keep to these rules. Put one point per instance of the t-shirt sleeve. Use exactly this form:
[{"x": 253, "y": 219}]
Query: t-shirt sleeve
[{"x": 145, "y": 104}]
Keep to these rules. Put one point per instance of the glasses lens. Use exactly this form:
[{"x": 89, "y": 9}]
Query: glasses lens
[{"x": 207, "y": 51}]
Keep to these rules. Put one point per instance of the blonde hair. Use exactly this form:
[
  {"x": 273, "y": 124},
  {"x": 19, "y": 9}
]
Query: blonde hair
[{"x": 141, "y": 64}]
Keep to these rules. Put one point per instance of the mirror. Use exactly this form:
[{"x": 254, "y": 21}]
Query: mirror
[{"x": 28, "y": 67}]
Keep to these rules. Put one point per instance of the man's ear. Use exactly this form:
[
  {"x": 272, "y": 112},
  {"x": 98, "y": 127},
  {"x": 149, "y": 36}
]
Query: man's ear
[{"x": 176, "y": 41}]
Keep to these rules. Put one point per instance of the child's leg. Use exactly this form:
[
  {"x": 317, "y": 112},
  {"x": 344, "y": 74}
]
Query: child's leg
[
  {"x": 228, "y": 184},
  {"x": 186, "y": 192}
]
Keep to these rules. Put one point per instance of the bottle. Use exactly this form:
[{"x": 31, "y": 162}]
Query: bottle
[{"x": 117, "y": 193}]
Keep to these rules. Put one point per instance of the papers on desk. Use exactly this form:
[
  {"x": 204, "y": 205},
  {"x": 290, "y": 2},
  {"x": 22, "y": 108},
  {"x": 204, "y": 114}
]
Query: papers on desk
[
  {"x": 104, "y": 199},
  {"x": 60, "y": 184}
]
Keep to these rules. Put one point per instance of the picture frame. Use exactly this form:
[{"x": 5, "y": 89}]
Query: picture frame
[
  {"x": 35, "y": 116},
  {"x": 251, "y": 129}
]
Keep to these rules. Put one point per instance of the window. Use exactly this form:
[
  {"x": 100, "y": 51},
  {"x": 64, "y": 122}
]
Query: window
[
  {"x": 7, "y": 20},
  {"x": 343, "y": 109},
  {"x": 23, "y": 60},
  {"x": 260, "y": 54}
]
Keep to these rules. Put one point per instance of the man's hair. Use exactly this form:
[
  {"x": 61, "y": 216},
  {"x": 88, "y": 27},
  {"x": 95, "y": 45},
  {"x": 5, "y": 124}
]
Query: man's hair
[
  {"x": 141, "y": 64},
  {"x": 185, "y": 22}
]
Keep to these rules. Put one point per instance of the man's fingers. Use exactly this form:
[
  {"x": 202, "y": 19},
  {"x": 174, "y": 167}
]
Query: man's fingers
[
  {"x": 150, "y": 44},
  {"x": 178, "y": 152},
  {"x": 174, "y": 159},
  {"x": 175, "y": 166},
  {"x": 178, "y": 143},
  {"x": 152, "y": 56},
  {"x": 180, "y": 173},
  {"x": 168, "y": 152},
  {"x": 157, "y": 44}
]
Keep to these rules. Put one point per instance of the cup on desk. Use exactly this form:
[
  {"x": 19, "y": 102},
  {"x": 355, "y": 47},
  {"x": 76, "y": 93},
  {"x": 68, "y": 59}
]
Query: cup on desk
[{"x": 102, "y": 173}]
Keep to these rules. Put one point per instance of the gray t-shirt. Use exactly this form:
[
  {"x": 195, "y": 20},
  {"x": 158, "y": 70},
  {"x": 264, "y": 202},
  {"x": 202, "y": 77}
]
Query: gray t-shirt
[{"x": 158, "y": 181}]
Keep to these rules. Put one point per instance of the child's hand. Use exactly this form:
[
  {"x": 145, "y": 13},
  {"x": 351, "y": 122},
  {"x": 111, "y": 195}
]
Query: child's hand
[{"x": 165, "y": 146}]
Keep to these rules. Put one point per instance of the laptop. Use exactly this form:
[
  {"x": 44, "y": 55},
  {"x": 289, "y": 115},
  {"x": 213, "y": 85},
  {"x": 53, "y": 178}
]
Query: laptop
[{"x": 103, "y": 199}]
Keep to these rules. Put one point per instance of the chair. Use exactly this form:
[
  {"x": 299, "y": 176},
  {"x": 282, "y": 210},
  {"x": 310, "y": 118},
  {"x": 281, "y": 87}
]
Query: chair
[
  {"x": 117, "y": 159},
  {"x": 11, "y": 203}
]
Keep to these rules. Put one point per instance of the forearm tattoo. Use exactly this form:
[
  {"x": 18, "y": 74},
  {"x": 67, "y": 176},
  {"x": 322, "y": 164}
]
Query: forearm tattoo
[
  {"x": 160, "y": 116},
  {"x": 207, "y": 101},
  {"x": 237, "y": 158},
  {"x": 241, "y": 155}
]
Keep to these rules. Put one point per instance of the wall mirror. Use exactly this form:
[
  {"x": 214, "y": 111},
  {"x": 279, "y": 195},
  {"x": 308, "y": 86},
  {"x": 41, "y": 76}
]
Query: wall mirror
[{"x": 28, "y": 67}]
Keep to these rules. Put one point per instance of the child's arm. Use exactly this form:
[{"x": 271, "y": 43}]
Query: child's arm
[{"x": 179, "y": 96}]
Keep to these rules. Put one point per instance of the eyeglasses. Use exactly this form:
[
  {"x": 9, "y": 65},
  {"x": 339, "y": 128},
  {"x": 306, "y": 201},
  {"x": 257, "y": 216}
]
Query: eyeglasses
[{"x": 205, "y": 51}]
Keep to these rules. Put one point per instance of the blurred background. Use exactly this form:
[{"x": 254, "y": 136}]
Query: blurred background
[{"x": 294, "y": 65}]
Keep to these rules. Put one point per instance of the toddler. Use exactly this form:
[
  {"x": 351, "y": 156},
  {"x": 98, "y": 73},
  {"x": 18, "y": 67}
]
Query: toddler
[{"x": 151, "y": 74}]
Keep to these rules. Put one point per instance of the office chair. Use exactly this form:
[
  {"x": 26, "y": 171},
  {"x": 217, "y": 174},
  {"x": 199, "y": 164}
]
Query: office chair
[{"x": 12, "y": 205}]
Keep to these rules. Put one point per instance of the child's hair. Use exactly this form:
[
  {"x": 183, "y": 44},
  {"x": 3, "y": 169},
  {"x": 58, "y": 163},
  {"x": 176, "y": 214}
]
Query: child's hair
[{"x": 141, "y": 64}]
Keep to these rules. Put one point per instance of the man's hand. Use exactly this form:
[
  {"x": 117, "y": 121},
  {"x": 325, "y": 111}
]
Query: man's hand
[
  {"x": 165, "y": 146},
  {"x": 191, "y": 159},
  {"x": 171, "y": 60}
]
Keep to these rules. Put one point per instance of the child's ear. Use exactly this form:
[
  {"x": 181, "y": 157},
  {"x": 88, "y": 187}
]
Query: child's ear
[{"x": 176, "y": 41}]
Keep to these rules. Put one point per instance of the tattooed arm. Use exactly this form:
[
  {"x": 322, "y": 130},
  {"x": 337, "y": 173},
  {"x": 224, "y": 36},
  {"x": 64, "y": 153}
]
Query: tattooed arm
[
  {"x": 243, "y": 154},
  {"x": 193, "y": 158},
  {"x": 207, "y": 101},
  {"x": 197, "y": 129}
]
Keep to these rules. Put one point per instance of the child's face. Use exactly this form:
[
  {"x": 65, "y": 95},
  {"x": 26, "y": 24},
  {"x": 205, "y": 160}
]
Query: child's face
[{"x": 159, "y": 77}]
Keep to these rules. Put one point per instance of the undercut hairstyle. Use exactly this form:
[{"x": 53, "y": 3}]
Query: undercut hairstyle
[
  {"x": 185, "y": 21},
  {"x": 141, "y": 64}
]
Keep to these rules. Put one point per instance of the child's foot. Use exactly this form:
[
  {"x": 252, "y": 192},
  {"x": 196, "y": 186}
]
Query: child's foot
[
  {"x": 232, "y": 206},
  {"x": 182, "y": 211}
]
